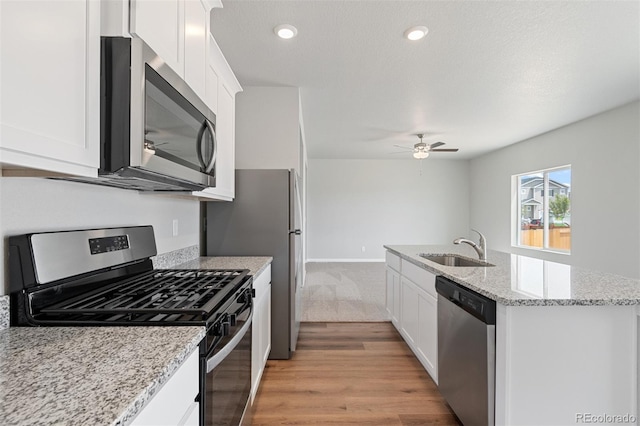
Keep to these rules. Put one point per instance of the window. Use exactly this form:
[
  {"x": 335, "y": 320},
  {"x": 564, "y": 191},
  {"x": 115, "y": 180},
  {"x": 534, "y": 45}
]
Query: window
[{"x": 545, "y": 220}]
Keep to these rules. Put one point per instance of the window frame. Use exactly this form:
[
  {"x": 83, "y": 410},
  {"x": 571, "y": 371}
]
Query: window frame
[{"x": 516, "y": 201}]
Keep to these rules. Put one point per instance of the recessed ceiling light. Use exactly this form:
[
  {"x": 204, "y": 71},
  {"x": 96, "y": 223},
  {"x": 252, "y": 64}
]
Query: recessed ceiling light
[
  {"x": 286, "y": 31},
  {"x": 416, "y": 33}
]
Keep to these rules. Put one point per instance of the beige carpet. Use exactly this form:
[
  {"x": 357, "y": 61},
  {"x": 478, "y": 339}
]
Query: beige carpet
[{"x": 344, "y": 291}]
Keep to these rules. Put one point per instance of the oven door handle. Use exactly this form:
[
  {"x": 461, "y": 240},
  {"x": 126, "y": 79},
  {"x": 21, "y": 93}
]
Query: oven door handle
[{"x": 215, "y": 360}]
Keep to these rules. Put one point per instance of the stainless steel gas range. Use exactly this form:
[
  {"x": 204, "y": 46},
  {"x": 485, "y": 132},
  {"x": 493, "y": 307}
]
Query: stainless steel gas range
[{"x": 105, "y": 277}]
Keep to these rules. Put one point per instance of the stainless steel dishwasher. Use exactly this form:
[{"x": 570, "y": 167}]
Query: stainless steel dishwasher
[{"x": 466, "y": 352}]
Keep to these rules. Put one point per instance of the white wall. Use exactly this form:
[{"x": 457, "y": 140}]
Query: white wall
[
  {"x": 36, "y": 204},
  {"x": 355, "y": 203},
  {"x": 268, "y": 128},
  {"x": 604, "y": 153}
]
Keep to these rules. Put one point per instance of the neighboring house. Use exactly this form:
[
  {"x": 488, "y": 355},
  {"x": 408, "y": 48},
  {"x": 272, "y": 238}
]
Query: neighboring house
[{"x": 532, "y": 194}]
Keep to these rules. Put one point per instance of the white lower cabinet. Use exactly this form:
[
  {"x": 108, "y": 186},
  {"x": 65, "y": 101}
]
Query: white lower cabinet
[
  {"x": 427, "y": 339},
  {"x": 410, "y": 311},
  {"x": 412, "y": 305},
  {"x": 393, "y": 296},
  {"x": 261, "y": 332},
  {"x": 175, "y": 404}
]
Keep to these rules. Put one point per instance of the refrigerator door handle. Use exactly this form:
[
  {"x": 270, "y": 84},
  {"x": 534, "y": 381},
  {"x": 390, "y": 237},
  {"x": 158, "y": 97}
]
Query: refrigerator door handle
[{"x": 296, "y": 232}]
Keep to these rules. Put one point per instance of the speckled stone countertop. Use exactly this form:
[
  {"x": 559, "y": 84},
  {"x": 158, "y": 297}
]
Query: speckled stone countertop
[
  {"x": 4, "y": 312},
  {"x": 517, "y": 280},
  {"x": 86, "y": 375},
  {"x": 255, "y": 264}
]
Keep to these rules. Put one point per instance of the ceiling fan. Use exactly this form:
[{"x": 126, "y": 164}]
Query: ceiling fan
[{"x": 421, "y": 149}]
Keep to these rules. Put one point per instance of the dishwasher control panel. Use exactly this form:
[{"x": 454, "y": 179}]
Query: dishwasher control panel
[
  {"x": 471, "y": 303},
  {"x": 474, "y": 303}
]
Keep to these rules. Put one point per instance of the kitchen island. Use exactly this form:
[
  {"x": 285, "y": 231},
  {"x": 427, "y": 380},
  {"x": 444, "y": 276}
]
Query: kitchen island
[{"x": 566, "y": 337}]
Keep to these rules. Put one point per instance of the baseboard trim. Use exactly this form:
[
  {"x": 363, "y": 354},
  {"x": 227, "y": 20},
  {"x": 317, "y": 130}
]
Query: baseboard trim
[{"x": 344, "y": 260}]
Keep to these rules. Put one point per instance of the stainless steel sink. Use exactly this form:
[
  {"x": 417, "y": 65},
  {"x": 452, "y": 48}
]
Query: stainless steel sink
[{"x": 454, "y": 260}]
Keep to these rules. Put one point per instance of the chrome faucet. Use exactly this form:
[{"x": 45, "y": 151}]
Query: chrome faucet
[{"x": 481, "y": 249}]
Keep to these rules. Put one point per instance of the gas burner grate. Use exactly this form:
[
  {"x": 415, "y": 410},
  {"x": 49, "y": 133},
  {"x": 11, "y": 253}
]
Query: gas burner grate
[{"x": 161, "y": 295}]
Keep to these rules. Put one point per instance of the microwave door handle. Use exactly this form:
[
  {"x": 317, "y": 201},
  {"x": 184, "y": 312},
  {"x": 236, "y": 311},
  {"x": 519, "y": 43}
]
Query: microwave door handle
[
  {"x": 214, "y": 152},
  {"x": 199, "y": 145}
]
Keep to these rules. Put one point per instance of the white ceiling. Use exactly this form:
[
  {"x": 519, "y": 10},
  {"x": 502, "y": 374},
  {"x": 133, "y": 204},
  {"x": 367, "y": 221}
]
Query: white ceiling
[{"x": 488, "y": 74}]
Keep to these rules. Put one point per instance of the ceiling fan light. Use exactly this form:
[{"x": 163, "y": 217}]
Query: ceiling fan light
[{"x": 420, "y": 155}]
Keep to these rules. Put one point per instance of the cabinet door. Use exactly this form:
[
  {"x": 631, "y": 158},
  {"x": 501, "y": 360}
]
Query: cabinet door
[
  {"x": 160, "y": 23},
  {"x": 261, "y": 332},
  {"x": 409, "y": 311},
  {"x": 211, "y": 78},
  {"x": 427, "y": 343},
  {"x": 225, "y": 162},
  {"x": 226, "y": 120},
  {"x": 266, "y": 341},
  {"x": 393, "y": 295},
  {"x": 397, "y": 312},
  {"x": 174, "y": 402},
  {"x": 50, "y": 83},
  {"x": 389, "y": 292},
  {"x": 195, "y": 44}
]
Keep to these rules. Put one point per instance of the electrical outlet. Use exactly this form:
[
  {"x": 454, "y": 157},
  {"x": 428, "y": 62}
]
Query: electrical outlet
[{"x": 175, "y": 227}]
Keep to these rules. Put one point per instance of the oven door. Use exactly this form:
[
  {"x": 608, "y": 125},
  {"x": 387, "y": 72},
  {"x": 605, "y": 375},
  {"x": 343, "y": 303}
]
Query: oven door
[
  {"x": 228, "y": 374},
  {"x": 179, "y": 140}
]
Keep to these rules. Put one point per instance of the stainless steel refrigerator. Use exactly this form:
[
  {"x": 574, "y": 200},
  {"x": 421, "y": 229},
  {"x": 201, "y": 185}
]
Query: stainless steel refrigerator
[{"x": 264, "y": 219}]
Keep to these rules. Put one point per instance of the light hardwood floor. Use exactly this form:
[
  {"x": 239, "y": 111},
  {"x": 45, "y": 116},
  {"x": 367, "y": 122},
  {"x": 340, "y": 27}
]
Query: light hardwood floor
[{"x": 349, "y": 374}]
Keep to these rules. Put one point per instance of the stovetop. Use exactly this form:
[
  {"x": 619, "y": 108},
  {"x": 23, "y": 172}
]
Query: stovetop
[
  {"x": 157, "y": 296},
  {"x": 106, "y": 277}
]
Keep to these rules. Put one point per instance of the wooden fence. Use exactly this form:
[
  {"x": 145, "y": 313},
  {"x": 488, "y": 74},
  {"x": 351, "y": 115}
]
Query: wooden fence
[{"x": 559, "y": 238}]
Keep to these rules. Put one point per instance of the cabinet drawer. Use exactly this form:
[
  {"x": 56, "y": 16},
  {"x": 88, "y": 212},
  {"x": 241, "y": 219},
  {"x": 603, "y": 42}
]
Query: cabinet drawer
[
  {"x": 393, "y": 261},
  {"x": 421, "y": 277}
]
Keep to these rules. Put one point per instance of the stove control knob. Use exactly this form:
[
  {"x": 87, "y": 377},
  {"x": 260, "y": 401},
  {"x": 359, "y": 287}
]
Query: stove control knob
[
  {"x": 244, "y": 297},
  {"x": 226, "y": 328},
  {"x": 232, "y": 319}
]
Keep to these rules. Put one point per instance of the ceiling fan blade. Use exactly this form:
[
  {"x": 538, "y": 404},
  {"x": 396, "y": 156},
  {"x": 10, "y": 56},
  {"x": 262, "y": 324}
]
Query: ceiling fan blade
[
  {"x": 404, "y": 147},
  {"x": 399, "y": 152},
  {"x": 436, "y": 144},
  {"x": 444, "y": 150}
]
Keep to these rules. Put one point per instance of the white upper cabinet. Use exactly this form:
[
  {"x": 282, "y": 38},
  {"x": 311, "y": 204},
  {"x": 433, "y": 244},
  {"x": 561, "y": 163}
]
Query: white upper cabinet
[
  {"x": 177, "y": 30},
  {"x": 195, "y": 46},
  {"x": 50, "y": 85},
  {"x": 161, "y": 24},
  {"x": 221, "y": 88}
]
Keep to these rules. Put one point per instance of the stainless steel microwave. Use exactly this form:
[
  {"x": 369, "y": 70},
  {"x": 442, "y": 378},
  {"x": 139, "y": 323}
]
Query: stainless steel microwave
[{"x": 156, "y": 134}]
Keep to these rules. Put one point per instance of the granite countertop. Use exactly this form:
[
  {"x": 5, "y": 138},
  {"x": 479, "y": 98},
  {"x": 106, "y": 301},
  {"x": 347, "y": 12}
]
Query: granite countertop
[
  {"x": 517, "y": 280},
  {"x": 86, "y": 375},
  {"x": 255, "y": 264}
]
